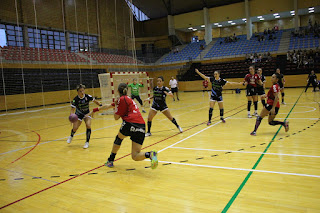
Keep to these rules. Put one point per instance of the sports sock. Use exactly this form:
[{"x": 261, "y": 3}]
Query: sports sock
[
  {"x": 88, "y": 133},
  {"x": 282, "y": 94},
  {"x": 72, "y": 133},
  {"x": 210, "y": 113},
  {"x": 112, "y": 156},
  {"x": 147, "y": 154},
  {"x": 174, "y": 122},
  {"x": 263, "y": 102},
  {"x": 274, "y": 123},
  {"x": 249, "y": 106},
  {"x": 255, "y": 106},
  {"x": 221, "y": 113},
  {"x": 149, "y": 126},
  {"x": 258, "y": 122}
]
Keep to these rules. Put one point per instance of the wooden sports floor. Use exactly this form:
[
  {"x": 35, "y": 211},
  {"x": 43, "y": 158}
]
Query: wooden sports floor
[{"x": 217, "y": 168}]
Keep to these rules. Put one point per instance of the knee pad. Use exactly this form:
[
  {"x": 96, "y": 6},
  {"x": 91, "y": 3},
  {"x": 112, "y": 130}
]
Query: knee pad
[
  {"x": 259, "y": 118},
  {"x": 118, "y": 141}
]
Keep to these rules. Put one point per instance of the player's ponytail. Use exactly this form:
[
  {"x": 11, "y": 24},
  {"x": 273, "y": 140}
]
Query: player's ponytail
[
  {"x": 80, "y": 86},
  {"x": 123, "y": 89}
]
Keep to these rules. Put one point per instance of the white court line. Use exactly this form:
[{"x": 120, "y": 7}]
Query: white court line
[
  {"x": 283, "y": 118},
  {"x": 314, "y": 109},
  {"x": 191, "y": 136},
  {"x": 241, "y": 169},
  {"x": 217, "y": 150},
  {"x": 15, "y": 150},
  {"x": 85, "y": 133}
]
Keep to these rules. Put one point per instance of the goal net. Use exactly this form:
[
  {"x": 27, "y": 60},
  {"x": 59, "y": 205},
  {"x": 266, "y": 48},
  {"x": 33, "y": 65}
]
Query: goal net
[{"x": 109, "y": 83}]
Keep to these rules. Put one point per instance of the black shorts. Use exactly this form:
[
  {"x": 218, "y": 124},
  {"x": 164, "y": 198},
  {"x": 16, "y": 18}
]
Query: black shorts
[
  {"x": 81, "y": 116},
  {"x": 138, "y": 98},
  {"x": 252, "y": 91},
  {"x": 135, "y": 131},
  {"x": 280, "y": 85},
  {"x": 173, "y": 90},
  {"x": 260, "y": 91},
  {"x": 216, "y": 97},
  {"x": 159, "y": 107},
  {"x": 269, "y": 107}
]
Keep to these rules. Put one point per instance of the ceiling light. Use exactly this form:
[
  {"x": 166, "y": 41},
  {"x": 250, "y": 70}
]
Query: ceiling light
[
  {"x": 219, "y": 25},
  {"x": 216, "y": 23},
  {"x": 292, "y": 14},
  {"x": 233, "y": 23},
  {"x": 276, "y": 14},
  {"x": 311, "y": 11},
  {"x": 190, "y": 28},
  {"x": 292, "y": 11},
  {"x": 311, "y": 8},
  {"x": 203, "y": 25},
  {"x": 194, "y": 29},
  {"x": 229, "y": 22},
  {"x": 244, "y": 19},
  {"x": 260, "y": 17}
]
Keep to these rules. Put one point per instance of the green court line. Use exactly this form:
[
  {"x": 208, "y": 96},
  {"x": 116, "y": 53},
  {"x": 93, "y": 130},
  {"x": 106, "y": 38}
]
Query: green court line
[{"x": 226, "y": 208}]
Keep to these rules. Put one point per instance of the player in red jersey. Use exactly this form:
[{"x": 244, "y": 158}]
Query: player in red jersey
[
  {"x": 252, "y": 80},
  {"x": 205, "y": 85},
  {"x": 272, "y": 106},
  {"x": 133, "y": 125}
]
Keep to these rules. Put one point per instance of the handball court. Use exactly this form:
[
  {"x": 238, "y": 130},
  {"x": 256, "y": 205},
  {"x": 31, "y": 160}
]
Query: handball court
[{"x": 217, "y": 168}]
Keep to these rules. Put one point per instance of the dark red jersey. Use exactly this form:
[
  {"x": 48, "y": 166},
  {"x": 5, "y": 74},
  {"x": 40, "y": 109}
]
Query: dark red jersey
[
  {"x": 128, "y": 110},
  {"x": 274, "y": 89},
  {"x": 252, "y": 80},
  {"x": 205, "y": 83}
]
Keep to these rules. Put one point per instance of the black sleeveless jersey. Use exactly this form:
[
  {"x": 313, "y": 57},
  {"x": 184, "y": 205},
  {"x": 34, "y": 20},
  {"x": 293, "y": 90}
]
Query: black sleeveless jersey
[
  {"x": 217, "y": 85},
  {"x": 159, "y": 96},
  {"x": 82, "y": 104},
  {"x": 263, "y": 79}
]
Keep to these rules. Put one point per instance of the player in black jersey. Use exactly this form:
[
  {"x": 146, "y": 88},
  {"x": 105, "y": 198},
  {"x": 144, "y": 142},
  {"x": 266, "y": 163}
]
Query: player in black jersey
[
  {"x": 261, "y": 88},
  {"x": 80, "y": 106},
  {"x": 281, "y": 84},
  {"x": 159, "y": 104},
  {"x": 216, "y": 92},
  {"x": 312, "y": 79}
]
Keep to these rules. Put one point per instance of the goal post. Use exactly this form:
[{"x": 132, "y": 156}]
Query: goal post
[{"x": 109, "y": 83}]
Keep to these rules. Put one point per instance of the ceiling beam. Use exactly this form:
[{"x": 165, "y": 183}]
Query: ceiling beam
[
  {"x": 204, "y": 3},
  {"x": 167, "y": 6}
]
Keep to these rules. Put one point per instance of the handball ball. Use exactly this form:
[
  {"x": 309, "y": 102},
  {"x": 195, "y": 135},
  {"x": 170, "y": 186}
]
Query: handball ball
[{"x": 73, "y": 118}]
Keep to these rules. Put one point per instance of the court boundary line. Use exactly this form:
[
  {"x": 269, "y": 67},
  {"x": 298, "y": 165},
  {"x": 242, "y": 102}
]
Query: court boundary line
[
  {"x": 241, "y": 169},
  {"x": 35, "y": 193},
  {"x": 235, "y": 195},
  {"x": 245, "y": 152}
]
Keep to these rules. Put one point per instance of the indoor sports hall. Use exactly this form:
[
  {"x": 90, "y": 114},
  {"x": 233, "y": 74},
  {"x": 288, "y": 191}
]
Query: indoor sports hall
[{"x": 197, "y": 65}]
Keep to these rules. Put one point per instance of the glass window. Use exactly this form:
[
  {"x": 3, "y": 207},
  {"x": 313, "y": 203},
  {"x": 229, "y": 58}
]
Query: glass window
[{"x": 139, "y": 15}]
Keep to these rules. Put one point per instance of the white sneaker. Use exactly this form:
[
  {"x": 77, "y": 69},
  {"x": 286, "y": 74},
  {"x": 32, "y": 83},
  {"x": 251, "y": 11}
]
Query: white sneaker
[
  {"x": 86, "y": 145},
  {"x": 249, "y": 116},
  {"x": 180, "y": 129},
  {"x": 284, "y": 103},
  {"x": 69, "y": 139},
  {"x": 255, "y": 114},
  {"x": 148, "y": 134}
]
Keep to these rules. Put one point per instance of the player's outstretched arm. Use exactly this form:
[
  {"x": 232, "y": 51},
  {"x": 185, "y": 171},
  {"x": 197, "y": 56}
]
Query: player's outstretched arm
[
  {"x": 103, "y": 107},
  {"x": 97, "y": 102},
  {"x": 168, "y": 93},
  {"x": 202, "y": 75},
  {"x": 148, "y": 99}
]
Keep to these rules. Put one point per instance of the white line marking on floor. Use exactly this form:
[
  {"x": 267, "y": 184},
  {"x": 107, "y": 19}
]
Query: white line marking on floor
[
  {"x": 241, "y": 169},
  {"x": 217, "y": 150}
]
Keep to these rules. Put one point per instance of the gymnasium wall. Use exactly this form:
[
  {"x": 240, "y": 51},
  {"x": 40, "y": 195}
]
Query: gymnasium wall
[{"x": 86, "y": 16}]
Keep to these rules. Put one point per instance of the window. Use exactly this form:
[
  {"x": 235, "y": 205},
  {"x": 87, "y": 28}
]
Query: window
[
  {"x": 47, "y": 39},
  {"x": 13, "y": 35},
  {"x": 140, "y": 16},
  {"x": 81, "y": 42}
]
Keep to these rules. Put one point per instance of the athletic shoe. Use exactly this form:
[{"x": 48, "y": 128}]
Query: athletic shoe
[
  {"x": 86, "y": 145},
  {"x": 143, "y": 111},
  {"x": 249, "y": 116},
  {"x": 222, "y": 120},
  {"x": 178, "y": 99},
  {"x": 154, "y": 159},
  {"x": 284, "y": 103},
  {"x": 253, "y": 133},
  {"x": 255, "y": 114},
  {"x": 209, "y": 123},
  {"x": 69, "y": 139},
  {"x": 180, "y": 129},
  {"x": 286, "y": 126},
  {"x": 148, "y": 134},
  {"x": 109, "y": 164}
]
